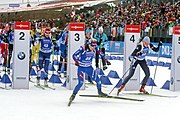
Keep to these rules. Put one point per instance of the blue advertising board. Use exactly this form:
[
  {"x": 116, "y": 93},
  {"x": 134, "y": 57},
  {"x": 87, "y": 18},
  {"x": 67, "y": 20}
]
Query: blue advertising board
[{"x": 116, "y": 46}]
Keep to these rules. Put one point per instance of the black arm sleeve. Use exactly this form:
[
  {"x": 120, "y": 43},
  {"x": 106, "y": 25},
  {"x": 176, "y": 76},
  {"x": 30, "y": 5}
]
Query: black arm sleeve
[
  {"x": 155, "y": 49},
  {"x": 138, "y": 48}
]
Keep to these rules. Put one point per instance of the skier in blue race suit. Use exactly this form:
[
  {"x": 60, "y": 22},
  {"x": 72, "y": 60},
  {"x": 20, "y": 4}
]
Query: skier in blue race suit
[
  {"x": 83, "y": 59},
  {"x": 63, "y": 50},
  {"x": 44, "y": 56},
  {"x": 138, "y": 57},
  {"x": 10, "y": 47}
]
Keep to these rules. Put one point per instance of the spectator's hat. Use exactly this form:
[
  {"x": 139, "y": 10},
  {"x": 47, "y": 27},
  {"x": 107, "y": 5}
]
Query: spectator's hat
[{"x": 100, "y": 29}]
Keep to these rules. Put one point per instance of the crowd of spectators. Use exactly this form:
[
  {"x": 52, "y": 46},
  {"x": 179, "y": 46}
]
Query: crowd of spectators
[{"x": 156, "y": 20}]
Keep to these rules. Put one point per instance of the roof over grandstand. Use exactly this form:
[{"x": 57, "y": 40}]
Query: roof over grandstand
[{"x": 45, "y": 4}]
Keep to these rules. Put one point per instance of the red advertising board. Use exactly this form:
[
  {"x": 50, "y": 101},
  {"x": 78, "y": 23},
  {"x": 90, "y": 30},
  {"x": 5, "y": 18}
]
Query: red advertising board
[
  {"x": 77, "y": 27},
  {"x": 176, "y": 30},
  {"x": 22, "y": 25},
  {"x": 133, "y": 28}
]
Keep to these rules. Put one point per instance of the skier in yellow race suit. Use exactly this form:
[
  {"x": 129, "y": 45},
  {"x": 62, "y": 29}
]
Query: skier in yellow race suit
[{"x": 36, "y": 47}]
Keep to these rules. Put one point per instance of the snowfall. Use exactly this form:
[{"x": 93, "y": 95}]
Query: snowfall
[{"x": 38, "y": 104}]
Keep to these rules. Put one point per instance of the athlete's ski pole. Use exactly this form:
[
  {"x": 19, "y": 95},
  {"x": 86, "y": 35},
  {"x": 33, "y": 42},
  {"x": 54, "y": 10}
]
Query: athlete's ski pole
[
  {"x": 119, "y": 80},
  {"x": 156, "y": 68},
  {"x": 132, "y": 60},
  {"x": 53, "y": 61},
  {"x": 6, "y": 53}
]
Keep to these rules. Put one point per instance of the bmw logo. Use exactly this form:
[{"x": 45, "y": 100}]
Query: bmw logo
[
  {"x": 21, "y": 55},
  {"x": 178, "y": 59}
]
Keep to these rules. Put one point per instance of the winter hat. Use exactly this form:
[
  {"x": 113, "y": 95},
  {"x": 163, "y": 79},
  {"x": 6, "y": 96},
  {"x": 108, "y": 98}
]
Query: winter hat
[
  {"x": 100, "y": 29},
  {"x": 146, "y": 39}
]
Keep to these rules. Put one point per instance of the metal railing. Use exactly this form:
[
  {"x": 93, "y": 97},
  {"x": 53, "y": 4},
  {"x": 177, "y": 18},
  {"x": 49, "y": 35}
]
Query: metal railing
[{"x": 158, "y": 33}]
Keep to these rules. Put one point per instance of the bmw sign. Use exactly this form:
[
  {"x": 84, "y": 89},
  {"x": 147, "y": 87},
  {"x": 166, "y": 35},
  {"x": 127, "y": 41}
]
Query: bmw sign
[
  {"x": 178, "y": 59},
  {"x": 21, "y": 55}
]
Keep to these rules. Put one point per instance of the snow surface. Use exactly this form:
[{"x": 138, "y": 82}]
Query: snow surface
[{"x": 37, "y": 104}]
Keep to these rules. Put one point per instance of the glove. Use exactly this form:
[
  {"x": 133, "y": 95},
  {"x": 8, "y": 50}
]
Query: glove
[
  {"x": 76, "y": 63},
  {"x": 99, "y": 52},
  {"x": 131, "y": 58},
  {"x": 160, "y": 43},
  {"x": 139, "y": 53}
]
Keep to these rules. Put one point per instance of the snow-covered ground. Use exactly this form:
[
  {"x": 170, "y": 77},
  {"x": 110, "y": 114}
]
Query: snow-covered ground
[{"x": 37, "y": 104}]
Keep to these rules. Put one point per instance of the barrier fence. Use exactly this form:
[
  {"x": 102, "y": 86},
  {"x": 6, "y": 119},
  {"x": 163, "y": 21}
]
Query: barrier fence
[{"x": 118, "y": 47}]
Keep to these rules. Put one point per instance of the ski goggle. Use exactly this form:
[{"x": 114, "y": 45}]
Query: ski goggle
[{"x": 93, "y": 44}]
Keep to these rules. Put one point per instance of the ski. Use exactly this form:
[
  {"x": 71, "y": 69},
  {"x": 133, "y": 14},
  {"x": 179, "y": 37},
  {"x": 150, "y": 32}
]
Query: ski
[
  {"x": 113, "y": 97},
  {"x": 44, "y": 87},
  {"x": 49, "y": 87},
  {"x": 156, "y": 95},
  {"x": 93, "y": 84},
  {"x": 4, "y": 88},
  {"x": 31, "y": 81},
  {"x": 39, "y": 86},
  {"x": 88, "y": 83}
]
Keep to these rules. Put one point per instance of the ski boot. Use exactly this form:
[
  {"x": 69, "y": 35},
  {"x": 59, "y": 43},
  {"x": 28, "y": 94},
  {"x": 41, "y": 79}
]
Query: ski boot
[
  {"x": 143, "y": 90},
  {"x": 104, "y": 67},
  {"x": 30, "y": 80},
  {"x": 71, "y": 99},
  {"x": 120, "y": 89},
  {"x": 65, "y": 74},
  {"x": 4, "y": 68},
  {"x": 46, "y": 82},
  {"x": 59, "y": 71},
  {"x": 38, "y": 81},
  {"x": 8, "y": 71},
  {"x": 101, "y": 94}
]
